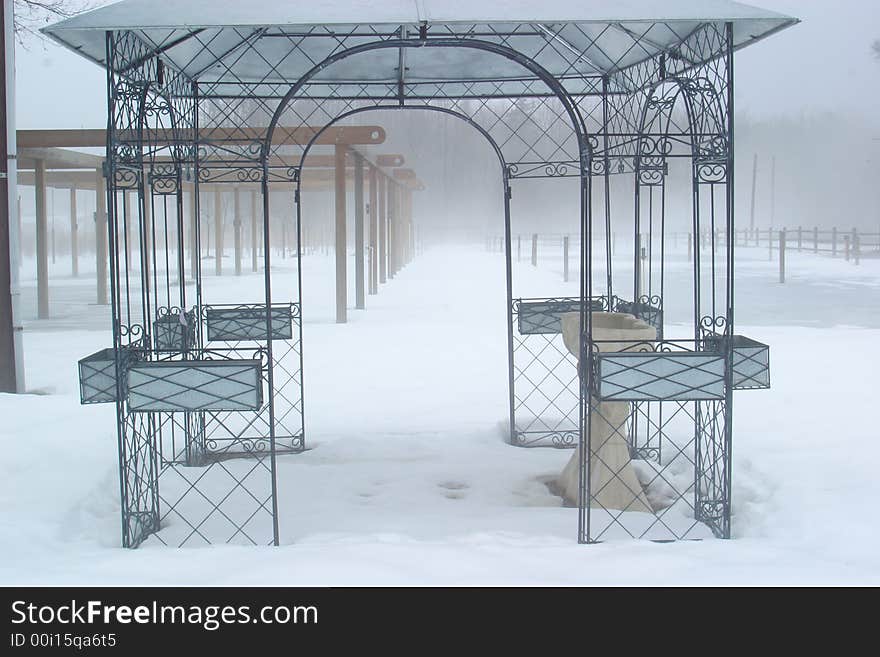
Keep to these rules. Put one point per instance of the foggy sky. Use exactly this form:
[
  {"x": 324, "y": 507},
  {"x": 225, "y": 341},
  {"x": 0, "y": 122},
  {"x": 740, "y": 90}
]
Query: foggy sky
[{"x": 784, "y": 86}]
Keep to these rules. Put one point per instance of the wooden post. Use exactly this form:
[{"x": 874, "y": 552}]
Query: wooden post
[
  {"x": 834, "y": 242},
  {"x": 565, "y": 258},
  {"x": 283, "y": 237},
  {"x": 392, "y": 227},
  {"x": 218, "y": 231},
  {"x": 754, "y": 186},
  {"x": 341, "y": 237},
  {"x": 782, "y": 256},
  {"x": 359, "y": 241},
  {"x": 254, "y": 232},
  {"x": 126, "y": 218},
  {"x": 856, "y": 246},
  {"x": 101, "y": 240},
  {"x": 144, "y": 236},
  {"x": 383, "y": 226},
  {"x": 642, "y": 269},
  {"x": 772, "y": 190},
  {"x": 18, "y": 218},
  {"x": 11, "y": 350},
  {"x": 195, "y": 247},
  {"x": 410, "y": 230},
  {"x": 846, "y": 247},
  {"x": 42, "y": 240},
  {"x": 74, "y": 242},
  {"x": 534, "y": 249},
  {"x": 236, "y": 225},
  {"x": 374, "y": 231},
  {"x": 207, "y": 233}
]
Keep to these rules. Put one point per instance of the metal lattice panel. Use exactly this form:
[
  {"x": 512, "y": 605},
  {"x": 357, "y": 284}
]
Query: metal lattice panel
[
  {"x": 195, "y": 385},
  {"x": 659, "y": 376}
]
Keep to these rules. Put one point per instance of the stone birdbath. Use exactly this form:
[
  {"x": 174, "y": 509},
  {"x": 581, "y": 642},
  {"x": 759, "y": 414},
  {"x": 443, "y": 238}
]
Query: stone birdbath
[{"x": 613, "y": 481}]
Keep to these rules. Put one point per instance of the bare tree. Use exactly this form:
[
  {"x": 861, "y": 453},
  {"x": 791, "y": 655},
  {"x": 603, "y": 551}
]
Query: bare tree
[{"x": 31, "y": 15}]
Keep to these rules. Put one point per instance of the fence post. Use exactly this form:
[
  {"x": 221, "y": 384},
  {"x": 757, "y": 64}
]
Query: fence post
[
  {"x": 815, "y": 239},
  {"x": 690, "y": 246},
  {"x": 833, "y": 242},
  {"x": 565, "y": 258},
  {"x": 770, "y": 243},
  {"x": 782, "y": 256},
  {"x": 857, "y": 247},
  {"x": 800, "y": 238},
  {"x": 534, "y": 249},
  {"x": 846, "y": 247}
]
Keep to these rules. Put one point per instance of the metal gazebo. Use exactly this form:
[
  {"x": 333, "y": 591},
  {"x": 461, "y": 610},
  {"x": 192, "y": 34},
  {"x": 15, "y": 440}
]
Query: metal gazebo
[{"x": 210, "y": 396}]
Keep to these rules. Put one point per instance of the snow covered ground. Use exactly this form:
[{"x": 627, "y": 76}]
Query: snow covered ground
[{"x": 409, "y": 479}]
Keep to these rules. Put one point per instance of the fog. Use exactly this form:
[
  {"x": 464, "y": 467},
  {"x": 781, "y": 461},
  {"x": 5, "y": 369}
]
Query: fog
[{"x": 807, "y": 97}]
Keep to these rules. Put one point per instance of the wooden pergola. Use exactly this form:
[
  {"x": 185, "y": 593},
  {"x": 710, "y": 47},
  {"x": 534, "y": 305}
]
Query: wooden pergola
[{"x": 45, "y": 160}]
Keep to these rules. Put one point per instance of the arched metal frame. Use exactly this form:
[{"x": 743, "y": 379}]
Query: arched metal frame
[
  {"x": 505, "y": 190},
  {"x": 621, "y": 124}
]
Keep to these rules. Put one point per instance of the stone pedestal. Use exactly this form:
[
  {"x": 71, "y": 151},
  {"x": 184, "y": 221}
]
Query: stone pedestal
[{"x": 613, "y": 481}]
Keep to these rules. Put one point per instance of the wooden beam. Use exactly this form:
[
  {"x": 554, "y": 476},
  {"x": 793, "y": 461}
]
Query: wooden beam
[
  {"x": 97, "y": 138},
  {"x": 57, "y": 158},
  {"x": 389, "y": 160}
]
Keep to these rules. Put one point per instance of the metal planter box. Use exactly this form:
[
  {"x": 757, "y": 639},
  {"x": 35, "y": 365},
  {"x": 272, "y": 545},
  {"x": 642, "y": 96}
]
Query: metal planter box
[
  {"x": 543, "y": 317},
  {"x": 247, "y": 323},
  {"x": 97, "y": 375},
  {"x": 175, "y": 331},
  {"x": 751, "y": 364},
  {"x": 659, "y": 376},
  {"x": 751, "y": 360},
  {"x": 195, "y": 385}
]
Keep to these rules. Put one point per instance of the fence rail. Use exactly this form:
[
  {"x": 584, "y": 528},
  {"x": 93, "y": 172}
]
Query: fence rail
[{"x": 850, "y": 244}]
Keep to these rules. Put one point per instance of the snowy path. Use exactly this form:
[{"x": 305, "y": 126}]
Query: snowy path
[{"x": 409, "y": 479}]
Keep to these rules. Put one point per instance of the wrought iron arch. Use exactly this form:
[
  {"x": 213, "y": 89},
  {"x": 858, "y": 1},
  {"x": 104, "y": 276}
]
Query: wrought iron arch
[
  {"x": 509, "y": 169},
  {"x": 570, "y": 106}
]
